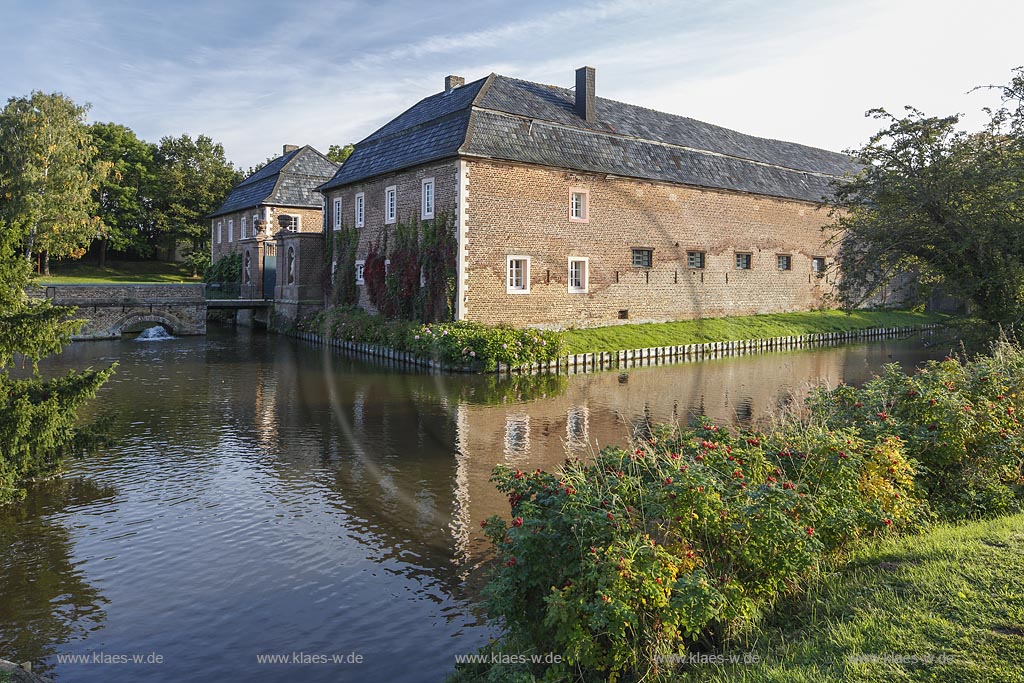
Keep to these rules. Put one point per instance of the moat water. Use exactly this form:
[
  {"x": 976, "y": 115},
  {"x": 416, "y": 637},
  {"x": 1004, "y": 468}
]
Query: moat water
[{"x": 264, "y": 498}]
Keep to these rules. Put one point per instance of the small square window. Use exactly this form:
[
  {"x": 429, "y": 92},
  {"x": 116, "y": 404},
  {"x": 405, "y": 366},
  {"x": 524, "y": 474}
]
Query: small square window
[
  {"x": 518, "y": 275},
  {"x": 390, "y": 204},
  {"x": 359, "y": 272},
  {"x": 818, "y": 264},
  {"x": 695, "y": 259},
  {"x": 643, "y": 258},
  {"x": 360, "y": 208},
  {"x": 427, "y": 207},
  {"x": 744, "y": 261},
  {"x": 337, "y": 213},
  {"x": 579, "y": 206},
  {"x": 785, "y": 262},
  {"x": 578, "y": 275}
]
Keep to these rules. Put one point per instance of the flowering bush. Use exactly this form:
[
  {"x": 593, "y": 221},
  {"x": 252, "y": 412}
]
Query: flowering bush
[
  {"x": 622, "y": 562},
  {"x": 456, "y": 343},
  {"x": 959, "y": 419}
]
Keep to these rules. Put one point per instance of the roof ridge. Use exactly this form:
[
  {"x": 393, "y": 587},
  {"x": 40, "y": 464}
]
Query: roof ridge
[{"x": 667, "y": 113}]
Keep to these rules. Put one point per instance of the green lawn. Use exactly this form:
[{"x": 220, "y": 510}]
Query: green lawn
[
  {"x": 616, "y": 337},
  {"x": 77, "y": 272},
  {"x": 954, "y": 594}
]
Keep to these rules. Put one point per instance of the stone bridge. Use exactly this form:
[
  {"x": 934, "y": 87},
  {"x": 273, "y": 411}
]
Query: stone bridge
[{"x": 110, "y": 309}]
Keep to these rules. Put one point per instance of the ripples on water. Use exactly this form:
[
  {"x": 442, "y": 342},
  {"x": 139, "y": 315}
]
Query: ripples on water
[{"x": 265, "y": 498}]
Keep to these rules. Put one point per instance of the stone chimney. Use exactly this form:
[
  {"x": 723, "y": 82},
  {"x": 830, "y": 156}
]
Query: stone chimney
[
  {"x": 585, "y": 96},
  {"x": 453, "y": 82},
  {"x": 289, "y": 148}
]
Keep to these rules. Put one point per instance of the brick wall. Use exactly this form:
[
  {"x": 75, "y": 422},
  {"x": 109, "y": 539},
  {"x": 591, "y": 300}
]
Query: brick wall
[
  {"x": 408, "y": 184},
  {"x": 515, "y": 209},
  {"x": 311, "y": 221}
]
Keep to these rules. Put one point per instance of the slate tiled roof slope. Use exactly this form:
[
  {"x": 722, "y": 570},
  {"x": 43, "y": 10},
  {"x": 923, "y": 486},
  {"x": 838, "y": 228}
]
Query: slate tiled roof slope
[
  {"x": 504, "y": 118},
  {"x": 289, "y": 180}
]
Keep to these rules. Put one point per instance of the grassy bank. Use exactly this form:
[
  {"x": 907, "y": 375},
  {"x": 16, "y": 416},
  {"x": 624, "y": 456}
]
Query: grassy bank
[
  {"x": 79, "y": 273},
  {"x": 618, "y": 337},
  {"x": 953, "y": 594}
]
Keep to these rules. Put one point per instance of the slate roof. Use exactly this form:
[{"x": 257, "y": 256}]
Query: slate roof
[
  {"x": 289, "y": 180},
  {"x": 505, "y": 118}
]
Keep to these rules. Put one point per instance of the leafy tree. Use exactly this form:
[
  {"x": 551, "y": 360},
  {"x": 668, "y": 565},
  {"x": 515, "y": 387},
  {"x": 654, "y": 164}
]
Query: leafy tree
[
  {"x": 38, "y": 417},
  {"x": 125, "y": 197},
  {"x": 48, "y": 172},
  {"x": 193, "y": 178},
  {"x": 940, "y": 201},
  {"x": 338, "y": 153}
]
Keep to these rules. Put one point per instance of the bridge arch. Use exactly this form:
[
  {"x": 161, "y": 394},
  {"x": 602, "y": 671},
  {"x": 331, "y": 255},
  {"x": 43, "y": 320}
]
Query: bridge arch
[{"x": 173, "y": 325}]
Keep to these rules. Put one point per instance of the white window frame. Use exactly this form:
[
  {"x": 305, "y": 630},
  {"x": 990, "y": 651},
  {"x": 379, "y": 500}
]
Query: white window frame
[
  {"x": 220, "y": 232},
  {"x": 584, "y": 215},
  {"x": 360, "y": 209},
  {"x": 701, "y": 255},
  {"x": 427, "y": 198},
  {"x": 297, "y": 225},
  {"x": 525, "y": 287},
  {"x": 814, "y": 264},
  {"x": 778, "y": 262},
  {"x": 231, "y": 230},
  {"x": 360, "y": 265},
  {"x": 750, "y": 260},
  {"x": 586, "y": 275},
  {"x": 337, "y": 213},
  {"x": 241, "y": 227},
  {"x": 390, "y": 204}
]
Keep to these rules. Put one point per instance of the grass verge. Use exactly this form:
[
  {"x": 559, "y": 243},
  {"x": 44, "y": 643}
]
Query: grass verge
[
  {"x": 78, "y": 273},
  {"x": 952, "y": 597},
  {"x": 616, "y": 337}
]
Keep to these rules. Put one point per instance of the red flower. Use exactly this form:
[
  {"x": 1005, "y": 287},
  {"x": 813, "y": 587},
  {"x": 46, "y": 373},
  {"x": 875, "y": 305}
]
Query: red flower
[
  {"x": 668, "y": 481},
  {"x": 888, "y": 522},
  {"x": 882, "y": 416},
  {"x": 518, "y": 521},
  {"x": 483, "y": 523},
  {"x": 518, "y": 474},
  {"x": 611, "y": 517},
  {"x": 932, "y": 401},
  {"x": 842, "y": 454},
  {"x": 788, "y": 485},
  {"x": 511, "y": 562},
  {"x": 753, "y": 442},
  {"x": 810, "y": 531}
]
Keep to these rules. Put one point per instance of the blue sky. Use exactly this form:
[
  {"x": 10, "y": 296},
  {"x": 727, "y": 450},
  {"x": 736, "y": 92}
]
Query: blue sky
[{"x": 254, "y": 75}]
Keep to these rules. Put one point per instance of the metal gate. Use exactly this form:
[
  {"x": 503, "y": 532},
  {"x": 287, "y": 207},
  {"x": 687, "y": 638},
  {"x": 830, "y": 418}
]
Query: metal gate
[{"x": 269, "y": 269}]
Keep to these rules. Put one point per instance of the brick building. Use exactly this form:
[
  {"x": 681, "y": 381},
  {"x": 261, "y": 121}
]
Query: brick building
[
  {"x": 281, "y": 196},
  {"x": 571, "y": 209}
]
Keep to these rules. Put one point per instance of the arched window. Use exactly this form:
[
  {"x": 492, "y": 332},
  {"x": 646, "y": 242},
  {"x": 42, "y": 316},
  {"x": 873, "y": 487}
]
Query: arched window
[{"x": 291, "y": 265}]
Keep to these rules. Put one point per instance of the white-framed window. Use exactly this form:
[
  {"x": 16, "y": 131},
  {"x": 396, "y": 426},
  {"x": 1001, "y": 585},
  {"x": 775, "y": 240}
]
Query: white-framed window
[
  {"x": 696, "y": 260},
  {"x": 231, "y": 230},
  {"x": 427, "y": 199},
  {"x": 293, "y": 222},
  {"x": 337, "y": 213},
  {"x": 359, "y": 272},
  {"x": 579, "y": 205},
  {"x": 390, "y": 204},
  {"x": 255, "y": 224},
  {"x": 785, "y": 262},
  {"x": 360, "y": 209},
  {"x": 818, "y": 264},
  {"x": 517, "y": 269},
  {"x": 242, "y": 227},
  {"x": 220, "y": 231},
  {"x": 579, "y": 267},
  {"x": 744, "y": 261}
]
